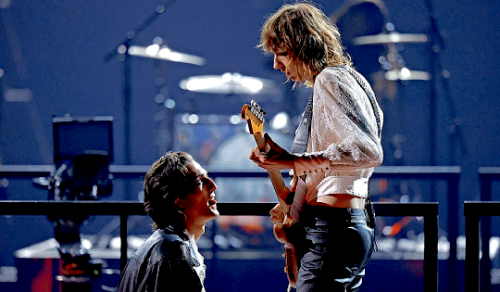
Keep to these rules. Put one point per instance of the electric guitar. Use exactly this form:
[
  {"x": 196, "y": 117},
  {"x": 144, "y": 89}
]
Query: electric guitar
[{"x": 254, "y": 115}]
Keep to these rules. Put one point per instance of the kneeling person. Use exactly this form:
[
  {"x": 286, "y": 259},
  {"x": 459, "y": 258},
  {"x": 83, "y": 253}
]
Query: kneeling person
[{"x": 180, "y": 198}]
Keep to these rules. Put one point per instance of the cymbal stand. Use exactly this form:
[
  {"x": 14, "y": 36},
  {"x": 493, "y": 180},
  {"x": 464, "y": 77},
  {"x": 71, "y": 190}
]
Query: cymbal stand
[
  {"x": 395, "y": 62},
  {"x": 165, "y": 113},
  {"x": 121, "y": 50},
  {"x": 1, "y": 105}
]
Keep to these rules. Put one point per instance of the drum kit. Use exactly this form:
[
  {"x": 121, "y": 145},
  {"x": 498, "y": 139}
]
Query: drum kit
[
  {"x": 390, "y": 74},
  {"x": 390, "y": 70},
  {"x": 233, "y": 83},
  {"x": 230, "y": 83}
]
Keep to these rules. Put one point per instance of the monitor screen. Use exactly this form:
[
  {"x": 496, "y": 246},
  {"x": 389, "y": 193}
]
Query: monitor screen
[{"x": 88, "y": 135}]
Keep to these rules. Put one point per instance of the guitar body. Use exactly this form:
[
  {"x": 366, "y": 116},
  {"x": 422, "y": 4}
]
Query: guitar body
[{"x": 288, "y": 233}]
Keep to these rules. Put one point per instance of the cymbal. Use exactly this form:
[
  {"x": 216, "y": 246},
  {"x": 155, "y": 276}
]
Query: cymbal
[
  {"x": 406, "y": 74},
  {"x": 165, "y": 53},
  {"x": 391, "y": 38},
  {"x": 228, "y": 83}
]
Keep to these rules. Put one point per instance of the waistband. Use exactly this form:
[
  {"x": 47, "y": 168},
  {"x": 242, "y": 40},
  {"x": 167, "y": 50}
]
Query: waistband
[{"x": 311, "y": 214}]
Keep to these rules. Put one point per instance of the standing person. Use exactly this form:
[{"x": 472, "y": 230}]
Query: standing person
[
  {"x": 341, "y": 142},
  {"x": 179, "y": 197}
]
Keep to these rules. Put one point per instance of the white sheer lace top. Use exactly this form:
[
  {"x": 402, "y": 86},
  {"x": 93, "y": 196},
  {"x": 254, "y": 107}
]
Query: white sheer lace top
[{"x": 344, "y": 144}]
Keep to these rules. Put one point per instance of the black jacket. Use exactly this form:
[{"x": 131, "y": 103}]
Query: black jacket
[{"x": 164, "y": 262}]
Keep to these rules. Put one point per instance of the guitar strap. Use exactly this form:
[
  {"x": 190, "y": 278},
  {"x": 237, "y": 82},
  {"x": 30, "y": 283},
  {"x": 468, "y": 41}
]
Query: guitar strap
[
  {"x": 299, "y": 145},
  {"x": 301, "y": 138}
]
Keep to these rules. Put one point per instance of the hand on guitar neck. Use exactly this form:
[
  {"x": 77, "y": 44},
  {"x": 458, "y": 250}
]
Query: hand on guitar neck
[
  {"x": 267, "y": 154},
  {"x": 274, "y": 159},
  {"x": 271, "y": 156}
]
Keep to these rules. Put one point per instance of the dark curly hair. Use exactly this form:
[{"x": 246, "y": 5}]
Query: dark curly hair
[{"x": 167, "y": 180}]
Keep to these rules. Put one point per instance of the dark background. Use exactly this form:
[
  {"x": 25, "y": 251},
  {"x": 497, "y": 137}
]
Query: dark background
[{"x": 52, "y": 60}]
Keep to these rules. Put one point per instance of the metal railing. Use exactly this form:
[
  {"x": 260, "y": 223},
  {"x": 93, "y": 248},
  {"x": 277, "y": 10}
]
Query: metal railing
[
  {"x": 124, "y": 209},
  {"x": 429, "y": 211},
  {"x": 477, "y": 228},
  {"x": 473, "y": 212}
]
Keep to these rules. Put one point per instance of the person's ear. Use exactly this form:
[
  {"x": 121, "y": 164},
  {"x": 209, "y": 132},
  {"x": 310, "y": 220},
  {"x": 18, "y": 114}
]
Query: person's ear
[{"x": 179, "y": 203}]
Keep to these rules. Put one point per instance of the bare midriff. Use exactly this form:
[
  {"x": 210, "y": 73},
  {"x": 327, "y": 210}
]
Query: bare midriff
[{"x": 339, "y": 201}]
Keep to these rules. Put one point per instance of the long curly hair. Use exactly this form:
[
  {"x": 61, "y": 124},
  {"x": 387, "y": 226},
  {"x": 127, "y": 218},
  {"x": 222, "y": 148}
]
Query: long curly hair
[
  {"x": 167, "y": 180},
  {"x": 308, "y": 36}
]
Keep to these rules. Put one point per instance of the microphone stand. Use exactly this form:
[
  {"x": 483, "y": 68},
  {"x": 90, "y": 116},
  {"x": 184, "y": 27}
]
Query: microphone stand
[
  {"x": 1, "y": 105},
  {"x": 437, "y": 44},
  {"x": 122, "y": 50}
]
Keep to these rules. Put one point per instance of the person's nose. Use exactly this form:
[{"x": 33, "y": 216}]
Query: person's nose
[
  {"x": 213, "y": 185},
  {"x": 276, "y": 63}
]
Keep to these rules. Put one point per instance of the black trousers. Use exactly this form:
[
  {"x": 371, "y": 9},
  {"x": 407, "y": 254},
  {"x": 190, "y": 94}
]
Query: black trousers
[{"x": 339, "y": 245}]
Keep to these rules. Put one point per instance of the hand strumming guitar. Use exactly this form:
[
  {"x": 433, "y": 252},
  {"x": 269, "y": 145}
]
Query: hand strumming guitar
[
  {"x": 276, "y": 158},
  {"x": 277, "y": 215}
]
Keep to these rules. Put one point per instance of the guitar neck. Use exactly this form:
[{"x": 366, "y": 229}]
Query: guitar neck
[
  {"x": 279, "y": 186},
  {"x": 277, "y": 181}
]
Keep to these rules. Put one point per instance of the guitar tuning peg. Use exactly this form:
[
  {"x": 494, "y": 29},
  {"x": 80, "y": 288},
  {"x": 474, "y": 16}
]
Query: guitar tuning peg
[{"x": 255, "y": 104}]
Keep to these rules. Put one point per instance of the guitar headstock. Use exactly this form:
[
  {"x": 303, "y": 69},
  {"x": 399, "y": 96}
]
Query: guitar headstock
[{"x": 254, "y": 115}]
